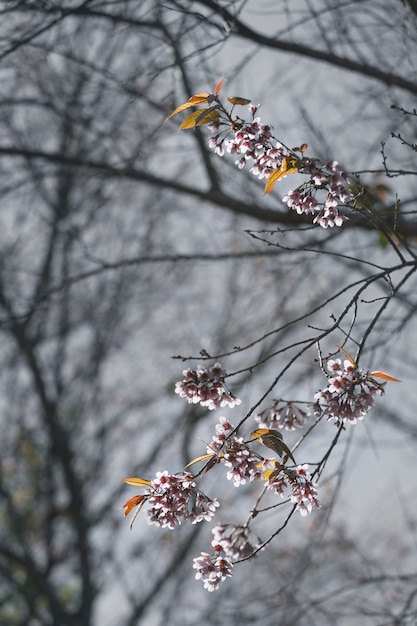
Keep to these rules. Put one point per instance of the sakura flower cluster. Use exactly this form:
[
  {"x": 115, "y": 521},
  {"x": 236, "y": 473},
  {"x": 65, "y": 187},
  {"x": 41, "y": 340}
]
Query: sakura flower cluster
[
  {"x": 235, "y": 541},
  {"x": 206, "y": 387},
  {"x": 173, "y": 498},
  {"x": 282, "y": 415},
  {"x": 303, "y": 489},
  {"x": 230, "y": 543},
  {"x": 252, "y": 142},
  {"x": 321, "y": 195},
  {"x": 242, "y": 463},
  {"x": 212, "y": 569},
  {"x": 325, "y": 180},
  {"x": 350, "y": 394}
]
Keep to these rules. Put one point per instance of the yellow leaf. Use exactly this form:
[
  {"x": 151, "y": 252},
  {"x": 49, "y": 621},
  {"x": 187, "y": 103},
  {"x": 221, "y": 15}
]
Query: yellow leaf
[
  {"x": 198, "y": 98},
  {"x": 349, "y": 358},
  {"x": 385, "y": 376},
  {"x": 236, "y": 100},
  {"x": 138, "y": 482},
  {"x": 285, "y": 170},
  {"x": 203, "y": 457},
  {"x": 257, "y": 434},
  {"x": 272, "y": 475},
  {"x": 200, "y": 117}
]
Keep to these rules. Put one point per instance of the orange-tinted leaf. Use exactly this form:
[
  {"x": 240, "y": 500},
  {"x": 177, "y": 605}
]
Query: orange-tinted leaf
[
  {"x": 285, "y": 170},
  {"x": 385, "y": 376},
  {"x": 199, "y": 98},
  {"x": 138, "y": 482},
  {"x": 347, "y": 355},
  {"x": 200, "y": 117},
  {"x": 219, "y": 86},
  {"x": 203, "y": 457},
  {"x": 236, "y": 100},
  {"x": 132, "y": 503}
]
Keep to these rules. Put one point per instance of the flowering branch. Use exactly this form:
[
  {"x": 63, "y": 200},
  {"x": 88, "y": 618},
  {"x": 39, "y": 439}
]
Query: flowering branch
[
  {"x": 328, "y": 194},
  {"x": 175, "y": 498},
  {"x": 327, "y": 188}
]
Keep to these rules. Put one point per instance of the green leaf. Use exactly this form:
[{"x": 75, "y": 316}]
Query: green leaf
[{"x": 383, "y": 240}]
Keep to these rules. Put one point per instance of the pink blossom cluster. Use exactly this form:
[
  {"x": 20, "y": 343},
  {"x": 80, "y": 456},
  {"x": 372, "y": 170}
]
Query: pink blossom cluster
[
  {"x": 173, "y": 498},
  {"x": 327, "y": 179},
  {"x": 252, "y": 141},
  {"x": 349, "y": 395},
  {"x": 242, "y": 462},
  {"x": 282, "y": 415},
  {"x": 236, "y": 455},
  {"x": 212, "y": 569},
  {"x": 303, "y": 489},
  {"x": 235, "y": 541},
  {"x": 206, "y": 387}
]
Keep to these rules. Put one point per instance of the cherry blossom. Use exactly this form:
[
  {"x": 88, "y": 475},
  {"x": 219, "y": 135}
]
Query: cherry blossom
[
  {"x": 206, "y": 387},
  {"x": 242, "y": 462},
  {"x": 322, "y": 195},
  {"x": 282, "y": 415},
  {"x": 222, "y": 431},
  {"x": 350, "y": 394},
  {"x": 213, "y": 570},
  {"x": 173, "y": 498},
  {"x": 234, "y": 540},
  {"x": 303, "y": 489},
  {"x": 326, "y": 190}
]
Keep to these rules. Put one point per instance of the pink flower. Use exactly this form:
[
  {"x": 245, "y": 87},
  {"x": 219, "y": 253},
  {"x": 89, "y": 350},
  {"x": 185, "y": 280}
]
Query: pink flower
[
  {"x": 350, "y": 393},
  {"x": 288, "y": 416},
  {"x": 323, "y": 179},
  {"x": 303, "y": 490},
  {"x": 234, "y": 541},
  {"x": 222, "y": 430},
  {"x": 213, "y": 570},
  {"x": 173, "y": 498},
  {"x": 206, "y": 387},
  {"x": 242, "y": 462}
]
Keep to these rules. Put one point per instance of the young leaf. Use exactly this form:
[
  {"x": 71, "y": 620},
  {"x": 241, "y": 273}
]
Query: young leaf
[
  {"x": 203, "y": 457},
  {"x": 385, "y": 376},
  {"x": 199, "y": 98},
  {"x": 200, "y": 117},
  {"x": 286, "y": 169},
  {"x": 347, "y": 355},
  {"x": 131, "y": 503},
  {"x": 138, "y": 482},
  {"x": 272, "y": 439},
  {"x": 236, "y": 100},
  {"x": 218, "y": 86},
  {"x": 271, "y": 475}
]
